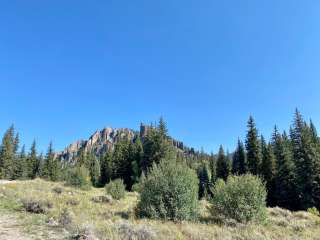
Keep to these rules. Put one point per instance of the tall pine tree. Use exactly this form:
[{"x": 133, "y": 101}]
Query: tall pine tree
[
  {"x": 7, "y": 154},
  {"x": 239, "y": 160},
  {"x": 223, "y": 167},
  {"x": 285, "y": 190},
  {"x": 267, "y": 171},
  {"x": 253, "y": 148}
]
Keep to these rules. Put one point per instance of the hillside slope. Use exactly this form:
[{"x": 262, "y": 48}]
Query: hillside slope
[{"x": 115, "y": 220}]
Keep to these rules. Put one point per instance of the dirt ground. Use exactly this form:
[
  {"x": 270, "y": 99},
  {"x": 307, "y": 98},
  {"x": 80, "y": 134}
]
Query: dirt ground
[{"x": 10, "y": 229}]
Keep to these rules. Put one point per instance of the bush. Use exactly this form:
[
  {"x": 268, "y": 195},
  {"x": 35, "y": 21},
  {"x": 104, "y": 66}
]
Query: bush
[
  {"x": 35, "y": 206},
  {"x": 170, "y": 191},
  {"x": 102, "y": 199},
  {"x": 79, "y": 177},
  {"x": 65, "y": 218},
  {"x": 313, "y": 211},
  {"x": 116, "y": 189},
  {"x": 242, "y": 198},
  {"x": 57, "y": 190},
  {"x": 128, "y": 231},
  {"x": 72, "y": 202}
]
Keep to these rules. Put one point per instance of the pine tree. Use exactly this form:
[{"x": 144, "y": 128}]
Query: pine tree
[
  {"x": 105, "y": 168},
  {"x": 7, "y": 154},
  {"x": 268, "y": 170},
  {"x": 306, "y": 155},
  {"x": 204, "y": 183},
  {"x": 15, "y": 163},
  {"x": 213, "y": 170},
  {"x": 314, "y": 133},
  {"x": 82, "y": 158},
  {"x": 94, "y": 169},
  {"x": 285, "y": 190},
  {"x": 135, "y": 155},
  {"x": 51, "y": 166},
  {"x": 162, "y": 127},
  {"x": 239, "y": 160},
  {"x": 32, "y": 162},
  {"x": 156, "y": 146},
  {"x": 222, "y": 165},
  {"x": 122, "y": 162},
  {"x": 253, "y": 148},
  {"x": 20, "y": 166}
]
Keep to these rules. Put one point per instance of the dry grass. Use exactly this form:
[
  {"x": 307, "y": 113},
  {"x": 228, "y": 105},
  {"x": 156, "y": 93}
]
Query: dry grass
[{"x": 115, "y": 220}]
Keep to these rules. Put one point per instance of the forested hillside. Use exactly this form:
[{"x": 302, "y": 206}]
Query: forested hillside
[{"x": 288, "y": 162}]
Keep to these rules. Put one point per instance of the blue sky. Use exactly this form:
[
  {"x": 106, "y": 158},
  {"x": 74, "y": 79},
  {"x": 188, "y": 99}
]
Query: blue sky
[{"x": 70, "y": 67}]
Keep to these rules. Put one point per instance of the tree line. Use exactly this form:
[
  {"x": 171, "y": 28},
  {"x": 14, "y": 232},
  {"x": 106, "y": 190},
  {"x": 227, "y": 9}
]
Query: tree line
[{"x": 288, "y": 163}]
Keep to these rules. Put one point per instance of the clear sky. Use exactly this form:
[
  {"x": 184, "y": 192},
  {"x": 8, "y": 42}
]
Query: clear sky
[{"x": 70, "y": 67}]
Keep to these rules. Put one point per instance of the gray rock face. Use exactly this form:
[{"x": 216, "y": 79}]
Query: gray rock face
[
  {"x": 102, "y": 141},
  {"x": 99, "y": 143}
]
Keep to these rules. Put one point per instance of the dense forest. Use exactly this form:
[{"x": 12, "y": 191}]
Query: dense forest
[{"x": 288, "y": 163}]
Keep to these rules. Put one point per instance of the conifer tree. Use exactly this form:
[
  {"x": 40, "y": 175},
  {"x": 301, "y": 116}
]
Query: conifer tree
[
  {"x": 239, "y": 160},
  {"x": 32, "y": 162},
  {"x": 222, "y": 165},
  {"x": 313, "y": 132},
  {"x": 268, "y": 170},
  {"x": 135, "y": 158},
  {"x": 94, "y": 169},
  {"x": 162, "y": 127},
  {"x": 213, "y": 170},
  {"x": 253, "y": 148},
  {"x": 20, "y": 166},
  {"x": 156, "y": 146},
  {"x": 306, "y": 156},
  {"x": 105, "y": 168},
  {"x": 51, "y": 166},
  {"x": 15, "y": 162},
  {"x": 204, "y": 183},
  {"x": 285, "y": 190},
  {"x": 7, "y": 154}
]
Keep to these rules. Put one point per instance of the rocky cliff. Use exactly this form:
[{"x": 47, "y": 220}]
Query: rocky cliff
[{"x": 105, "y": 139}]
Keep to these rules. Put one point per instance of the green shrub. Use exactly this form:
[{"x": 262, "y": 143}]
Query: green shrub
[
  {"x": 313, "y": 211},
  {"x": 242, "y": 198},
  {"x": 79, "y": 177},
  {"x": 116, "y": 189},
  {"x": 170, "y": 191}
]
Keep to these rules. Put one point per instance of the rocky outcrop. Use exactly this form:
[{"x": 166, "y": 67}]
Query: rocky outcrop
[
  {"x": 102, "y": 141},
  {"x": 99, "y": 143}
]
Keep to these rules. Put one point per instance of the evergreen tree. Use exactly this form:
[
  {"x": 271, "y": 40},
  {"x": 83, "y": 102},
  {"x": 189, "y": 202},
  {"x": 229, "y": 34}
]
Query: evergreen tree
[
  {"x": 306, "y": 155},
  {"x": 204, "y": 184},
  {"x": 285, "y": 191},
  {"x": 222, "y": 165},
  {"x": 106, "y": 168},
  {"x": 239, "y": 160},
  {"x": 121, "y": 164},
  {"x": 213, "y": 170},
  {"x": 51, "y": 166},
  {"x": 162, "y": 127},
  {"x": 7, "y": 154},
  {"x": 20, "y": 166},
  {"x": 94, "y": 169},
  {"x": 32, "y": 162},
  {"x": 268, "y": 170},
  {"x": 314, "y": 133},
  {"x": 135, "y": 158},
  {"x": 156, "y": 146},
  {"x": 82, "y": 158},
  {"x": 15, "y": 163},
  {"x": 253, "y": 148}
]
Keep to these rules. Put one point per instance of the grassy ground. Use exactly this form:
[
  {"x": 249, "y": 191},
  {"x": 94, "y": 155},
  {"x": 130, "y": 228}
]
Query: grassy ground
[{"x": 73, "y": 212}]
